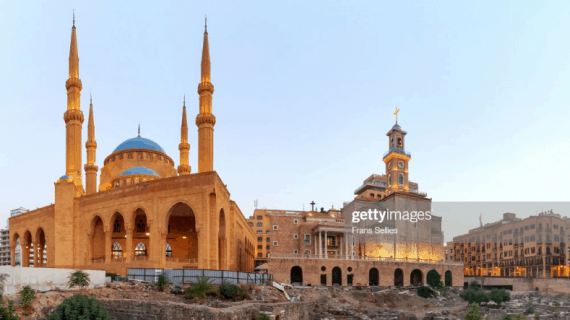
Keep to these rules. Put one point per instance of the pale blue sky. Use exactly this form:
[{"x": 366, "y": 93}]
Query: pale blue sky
[{"x": 305, "y": 92}]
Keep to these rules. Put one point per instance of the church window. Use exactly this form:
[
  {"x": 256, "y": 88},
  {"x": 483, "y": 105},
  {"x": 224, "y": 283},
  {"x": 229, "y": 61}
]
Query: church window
[
  {"x": 391, "y": 142},
  {"x": 141, "y": 226},
  {"x": 399, "y": 141},
  {"x": 168, "y": 250},
  {"x": 401, "y": 179},
  {"x": 116, "y": 226},
  {"x": 117, "y": 250},
  {"x": 140, "y": 250}
]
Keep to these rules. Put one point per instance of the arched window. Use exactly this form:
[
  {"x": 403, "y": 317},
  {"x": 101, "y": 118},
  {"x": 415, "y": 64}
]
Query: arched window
[
  {"x": 399, "y": 141},
  {"x": 390, "y": 181},
  {"x": 130, "y": 156},
  {"x": 391, "y": 142},
  {"x": 121, "y": 157},
  {"x": 400, "y": 179},
  {"x": 140, "y": 250},
  {"x": 141, "y": 226},
  {"x": 116, "y": 226},
  {"x": 139, "y": 155},
  {"x": 168, "y": 250},
  {"x": 117, "y": 250}
]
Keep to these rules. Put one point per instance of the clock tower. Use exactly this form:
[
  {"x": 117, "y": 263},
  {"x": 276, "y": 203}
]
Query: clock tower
[{"x": 396, "y": 160}]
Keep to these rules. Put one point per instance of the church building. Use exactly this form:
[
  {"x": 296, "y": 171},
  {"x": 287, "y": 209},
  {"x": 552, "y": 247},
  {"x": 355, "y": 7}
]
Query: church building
[{"x": 144, "y": 212}]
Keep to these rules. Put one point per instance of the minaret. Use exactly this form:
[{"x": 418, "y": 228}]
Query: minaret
[
  {"x": 184, "y": 147},
  {"x": 205, "y": 119},
  {"x": 91, "y": 145},
  {"x": 73, "y": 117}
]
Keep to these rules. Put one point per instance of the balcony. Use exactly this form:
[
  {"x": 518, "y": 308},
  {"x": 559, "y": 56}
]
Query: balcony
[{"x": 397, "y": 150}]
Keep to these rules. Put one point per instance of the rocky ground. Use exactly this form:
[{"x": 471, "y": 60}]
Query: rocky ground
[{"x": 333, "y": 303}]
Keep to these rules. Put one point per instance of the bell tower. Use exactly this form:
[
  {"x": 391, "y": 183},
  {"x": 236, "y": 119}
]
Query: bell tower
[{"x": 396, "y": 159}]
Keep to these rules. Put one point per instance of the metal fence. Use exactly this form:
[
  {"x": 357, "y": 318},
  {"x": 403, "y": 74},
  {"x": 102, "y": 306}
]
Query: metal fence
[{"x": 187, "y": 276}]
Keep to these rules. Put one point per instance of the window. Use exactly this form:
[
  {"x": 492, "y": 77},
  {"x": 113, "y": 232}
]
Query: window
[
  {"x": 307, "y": 251},
  {"x": 130, "y": 156},
  {"x": 379, "y": 196},
  {"x": 390, "y": 180},
  {"x": 260, "y": 255},
  {"x": 532, "y": 226},
  {"x": 399, "y": 141},
  {"x": 295, "y": 251},
  {"x": 295, "y": 236},
  {"x": 295, "y": 221},
  {"x": 376, "y": 183},
  {"x": 251, "y": 224},
  {"x": 116, "y": 226},
  {"x": 555, "y": 226},
  {"x": 400, "y": 179},
  {"x": 307, "y": 239},
  {"x": 168, "y": 250},
  {"x": 259, "y": 224},
  {"x": 117, "y": 250},
  {"x": 267, "y": 231},
  {"x": 510, "y": 231},
  {"x": 259, "y": 217},
  {"x": 141, "y": 226},
  {"x": 274, "y": 243},
  {"x": 267, "y": 247},
  {"x": 259, "y": 232},
  {"x": 274, "y": 227},
  {"x": 140, "y": 250},
  {"x": 260, "y": 247},
  {"x": 259, "y": 239},
  {"x": 267, "y": 239},
  {"x": 372, "y": 195},
  {"x": 331, "y": 241}
]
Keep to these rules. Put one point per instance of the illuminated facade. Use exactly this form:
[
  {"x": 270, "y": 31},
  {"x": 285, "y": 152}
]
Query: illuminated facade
[
  {"x": 512, "y": 247},
  {"x": 144, "y": 213}
]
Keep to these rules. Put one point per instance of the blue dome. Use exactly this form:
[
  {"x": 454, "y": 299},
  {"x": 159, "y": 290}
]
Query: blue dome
[
  {"x": 139, "y": 170},
  {"x": 65, "y": 177},
  {"x": 397, "y": 126},
  {"x": 139, "y": 143}
]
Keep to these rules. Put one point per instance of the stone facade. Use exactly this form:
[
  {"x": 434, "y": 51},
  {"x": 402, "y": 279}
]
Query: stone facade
[
  {"x": 512, "y": 247},
  {"x": 145, "y": 213}
]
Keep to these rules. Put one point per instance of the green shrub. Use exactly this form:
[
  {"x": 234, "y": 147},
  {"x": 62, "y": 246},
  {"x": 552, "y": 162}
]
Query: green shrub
[
  {"x": 162, "y": 282},
  {"x": 262, "y": 316},
  {"x": 229, "y": 290},
  {"x": 536, "y": 316},
  {"x": 499, "y": 296},
  {"x": 80, "y": 307},
  {"x": 528, "y": 311},
  {"x": 79, "y": 278},
  {"x": 242, "y": 293},
  {"x": 474, "y": 313},
  {"x": 425, "y": 292},
  {"x": 514, "y": 317},
  {"x": 7, "y": 313},
  {"x": 434, "y": 279},
  {"x": 27, "y": 294},
  {"x": 472, "y": 296},
  {"x": 474, "y": 285},
  {"x": 200, "y": 289},
  {"x": 112, "y": 275}
]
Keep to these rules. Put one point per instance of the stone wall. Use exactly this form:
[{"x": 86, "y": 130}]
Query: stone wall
[
  {"x": 155, "y": 310},
  {"x": 43, "y": 279},
  {"x": 525, "y": 284}
]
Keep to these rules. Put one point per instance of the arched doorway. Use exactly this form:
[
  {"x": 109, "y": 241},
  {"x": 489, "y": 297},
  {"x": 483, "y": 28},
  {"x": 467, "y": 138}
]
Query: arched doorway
[
  {"x": 16, "y": 251},
  {"x": 39, "y": 254},
  {"x": 222, "y": 242},
  {"x": 448, "y": 279},
  {"x": 97, "y": 241},
  {"x": 373, "y": 277},
  {"x": 27, "y": 250},
  {"x": 416, "y": 278},
  {"x": 336, "y": 276},
  {"x": 182, "y": 237},
  {"x": 296, "y": 275},
  {"x": 399, "y": 277},
  {"x": 142, "y": 235}
]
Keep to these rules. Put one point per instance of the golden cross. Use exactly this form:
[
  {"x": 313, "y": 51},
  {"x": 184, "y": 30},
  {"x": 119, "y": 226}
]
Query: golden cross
[{"x": 396, "y": 113}]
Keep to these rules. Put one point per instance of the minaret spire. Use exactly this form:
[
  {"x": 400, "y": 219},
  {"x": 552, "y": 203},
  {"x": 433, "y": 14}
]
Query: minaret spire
[
  {"x": 184, "y": 146},
  {"x": 73, "y": 117},
  {"x": 91, "y": 145},
  {"x": 205, "y": 119}
]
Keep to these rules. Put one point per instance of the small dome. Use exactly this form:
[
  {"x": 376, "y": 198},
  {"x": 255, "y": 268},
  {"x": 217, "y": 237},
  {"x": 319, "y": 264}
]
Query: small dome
[
  {"x": 396, "y": 126},
  {"x": 139, "y": 143},
  {"x": 65, "y": 177},
  {"x": 139, "y": 170}
]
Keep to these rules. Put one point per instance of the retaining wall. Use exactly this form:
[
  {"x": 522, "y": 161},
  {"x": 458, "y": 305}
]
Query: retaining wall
[
  {"x": 561, "y": 285},
  {"x": 44, "y": 279}
]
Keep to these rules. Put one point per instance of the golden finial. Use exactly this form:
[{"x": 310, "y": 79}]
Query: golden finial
[{"x": 396, "y": 114}]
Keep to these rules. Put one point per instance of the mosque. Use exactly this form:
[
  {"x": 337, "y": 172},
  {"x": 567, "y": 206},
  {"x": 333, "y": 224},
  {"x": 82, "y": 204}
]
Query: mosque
[{"x": 145, "y": 212}]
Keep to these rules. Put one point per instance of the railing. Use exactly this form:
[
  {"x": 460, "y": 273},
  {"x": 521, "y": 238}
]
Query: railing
[
  {"x": 186, "y": 260},
  {"x": 360, "y": 258},
  {"x": 187, "y": 276},
  {"x": 370, "y": 184},
  {"x": 416, "y": 191},
  {"x": 397, "y": 150}
]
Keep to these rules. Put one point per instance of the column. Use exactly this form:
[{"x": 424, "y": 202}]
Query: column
[
  {"x": 37, "y": 261},
  {"x": 13, "y": 254},
  {"x": 320, "y": 246},
  {"x": 340, "y": 245},
  {"x": 108, "y": 245},
  {"x": 129, "y": 245},
  {"x": 315, "y": 241},
  {"x": 162, "y": 249},
  {"x": 346, "y": 247},
  {"x": 326, "y": 246}
]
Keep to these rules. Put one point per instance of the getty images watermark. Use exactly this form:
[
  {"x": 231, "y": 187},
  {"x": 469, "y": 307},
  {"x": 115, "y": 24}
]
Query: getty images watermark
[{"x": 375, "y": 215}]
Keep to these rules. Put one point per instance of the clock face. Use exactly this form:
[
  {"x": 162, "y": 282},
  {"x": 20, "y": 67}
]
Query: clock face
[{"x": 400, "y": 164}]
